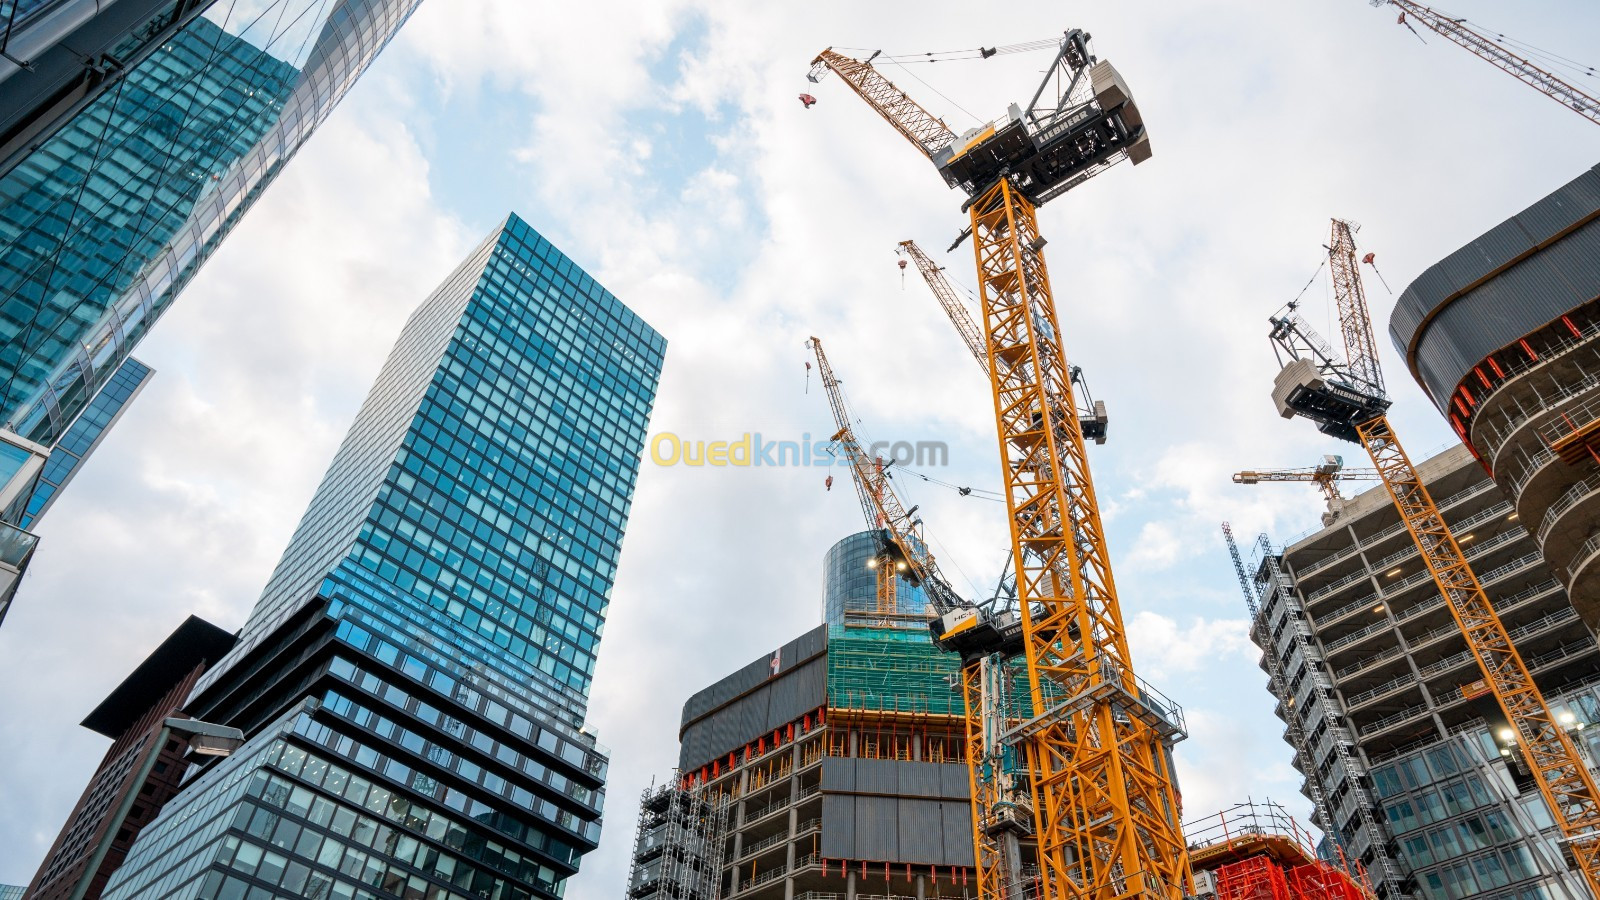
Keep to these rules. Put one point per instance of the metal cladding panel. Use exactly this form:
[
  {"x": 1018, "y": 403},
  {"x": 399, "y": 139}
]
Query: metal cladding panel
[
  {"x": 1563, "y": 208},
  {"x": 921, "y": 832},
  {"x": 1412, "y": 307},
  {"x": 957, "y": 821},
  {"x": 838, "y": 826},
  {"x": 838, "y": 774},
  {"x": 955, "y": 780},
  {"x": 1498, "y": 312},
  {"x": 878, "y": 776},
  {"x": 813, "y": 642},
  {"x": 919, "y": 779},
  {"x": 1490, "y": 251},
  {"x": 799, "y": 692},
  {"x": 877, "y": 831},
  {"x": 1466, "y": 328}
]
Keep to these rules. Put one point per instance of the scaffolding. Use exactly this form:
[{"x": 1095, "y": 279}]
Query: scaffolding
[
  {"x": 1257, "y": 851},
  {"x": 678, "y": 852}
]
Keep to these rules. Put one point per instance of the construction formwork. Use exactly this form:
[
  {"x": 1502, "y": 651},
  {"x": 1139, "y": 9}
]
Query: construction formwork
[
  {"x": 679, "y": 849},
  {"x": 1257, "y": 851}
]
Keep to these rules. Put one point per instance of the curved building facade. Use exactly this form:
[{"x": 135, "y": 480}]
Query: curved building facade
[
  {"x": 1504, "y": 335},
  {"x": 850, "y": 586}
]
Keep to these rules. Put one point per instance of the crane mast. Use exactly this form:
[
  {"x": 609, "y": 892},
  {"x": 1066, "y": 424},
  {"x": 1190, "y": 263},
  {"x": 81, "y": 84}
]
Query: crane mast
[
  {"x": 1485, "y": 47},
  {"x": 1348, "y": 405},
  {"x": 1091, "y": 416},
  {"x": 1105, "y": 803}
]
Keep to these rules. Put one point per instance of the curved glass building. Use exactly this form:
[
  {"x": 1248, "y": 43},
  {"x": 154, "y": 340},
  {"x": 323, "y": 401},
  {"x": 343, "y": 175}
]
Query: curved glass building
[{"x": 850, "y": 586}]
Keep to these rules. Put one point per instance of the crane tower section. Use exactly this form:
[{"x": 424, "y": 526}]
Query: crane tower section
[{"x": 1106, "y": 807}]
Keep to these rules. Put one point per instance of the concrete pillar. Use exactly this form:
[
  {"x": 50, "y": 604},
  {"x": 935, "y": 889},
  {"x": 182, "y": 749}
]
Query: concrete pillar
[
  {"x": 916, "y": 746},
  {"x": 855, "y": 743},
  {"x": 922, "y": 886},
  {"x": 850, "y": 884}
]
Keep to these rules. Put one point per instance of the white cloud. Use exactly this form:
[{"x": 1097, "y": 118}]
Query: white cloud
[{"x": 1164, "y": 648}]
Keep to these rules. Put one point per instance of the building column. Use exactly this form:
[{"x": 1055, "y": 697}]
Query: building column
[
  {"x": 855, "y": 743},
  {"x": 916, "y": 746},
  {"x": 922, "y": 886},
  {"x": 849, "y": 882}
]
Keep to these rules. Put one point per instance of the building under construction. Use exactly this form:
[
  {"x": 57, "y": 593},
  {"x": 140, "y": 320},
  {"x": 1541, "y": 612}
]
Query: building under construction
[
  {"x": 836, "y": 764},
  {"x": 1257, "y": 851},
  {"x": 1407, "y": 748}
]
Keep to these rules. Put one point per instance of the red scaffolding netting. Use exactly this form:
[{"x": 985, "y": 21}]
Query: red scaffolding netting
[{"x": 1256, "y": 878}]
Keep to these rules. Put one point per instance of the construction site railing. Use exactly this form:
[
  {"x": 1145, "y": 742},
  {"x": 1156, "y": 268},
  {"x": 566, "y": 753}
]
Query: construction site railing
[
  {"x": 1586, "y": 551},
  {"x": 1566, "y": 501},
  {"x": 1559, "y": 394}
]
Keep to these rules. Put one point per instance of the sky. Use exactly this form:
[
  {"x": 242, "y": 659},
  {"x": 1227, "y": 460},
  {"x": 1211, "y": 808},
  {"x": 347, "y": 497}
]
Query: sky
[{"x": 662, "y": 146}]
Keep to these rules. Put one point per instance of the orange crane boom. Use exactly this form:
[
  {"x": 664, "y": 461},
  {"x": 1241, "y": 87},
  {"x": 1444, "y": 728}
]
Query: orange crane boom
[
  {"x": 1346, "y": 398},
  {"x": 1106, "y": 809},
  {"x": 1486, "y": 47}
]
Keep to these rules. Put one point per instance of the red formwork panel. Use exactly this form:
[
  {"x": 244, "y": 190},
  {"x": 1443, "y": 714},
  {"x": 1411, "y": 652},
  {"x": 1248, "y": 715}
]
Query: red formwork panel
[
  {"x": 1321, "y": 881},
  {"x": 1256, "y": 878}
]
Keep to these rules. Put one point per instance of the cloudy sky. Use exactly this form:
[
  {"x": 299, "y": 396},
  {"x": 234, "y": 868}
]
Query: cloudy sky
[{"x": 662, "y": 146}]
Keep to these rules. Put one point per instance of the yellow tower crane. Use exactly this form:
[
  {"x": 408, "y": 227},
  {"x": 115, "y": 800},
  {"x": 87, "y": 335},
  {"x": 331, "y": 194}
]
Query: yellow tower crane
[
  {"x": 1092, "y": 417},
  {"x": 1493, "y": 48},
  {"x": 1325, "y": 476},
  {"x": 1105, "y": 804},
  {"x": 1346, "y": 398}
]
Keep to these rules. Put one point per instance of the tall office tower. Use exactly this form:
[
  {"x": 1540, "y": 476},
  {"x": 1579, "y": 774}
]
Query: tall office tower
[
  {"x": 1407, "y": 742},
  {"x": 414, "y": 679},
  {"x": 56, "y": 56},
  {"x": 140, "y": 771},
  {"x": 103, "y": 222},
  {"x": 1504, "y": 336}
]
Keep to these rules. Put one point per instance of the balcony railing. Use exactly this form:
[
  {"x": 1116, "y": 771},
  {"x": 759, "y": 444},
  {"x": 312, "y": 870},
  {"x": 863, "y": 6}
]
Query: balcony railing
[
  {"x": 1369, "y": 601},
  {"x": 1388, "y": 687},
  {"x": 1393, "y": 719},
  {"x": 1565, "y": 502},
  {"x": 1585, "y": 552},
  {"x": 1566, "y": 391}
]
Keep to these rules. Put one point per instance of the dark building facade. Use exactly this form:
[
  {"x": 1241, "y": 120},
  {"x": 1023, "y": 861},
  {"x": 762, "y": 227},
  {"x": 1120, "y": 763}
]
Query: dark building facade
[
  {"x": 1504, "y": 335},
  {"x": 837, "y": 762},
  {"x": 414, "y": 679},
  {"x": 141, "y": 771},
  {"x": 108, "y": 217}
]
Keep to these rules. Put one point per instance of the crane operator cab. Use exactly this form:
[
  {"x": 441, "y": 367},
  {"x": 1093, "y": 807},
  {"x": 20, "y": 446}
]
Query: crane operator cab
[{"x": 1053, "y": 146}]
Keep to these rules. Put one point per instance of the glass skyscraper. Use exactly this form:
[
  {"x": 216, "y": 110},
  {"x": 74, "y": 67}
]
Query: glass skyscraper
[
  {"x": 415, "y": 676},
  {"x": 107, "y": 219},
  {"x": 81, "y": 439}
]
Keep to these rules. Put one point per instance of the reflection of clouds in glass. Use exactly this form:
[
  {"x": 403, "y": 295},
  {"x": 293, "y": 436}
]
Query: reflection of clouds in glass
[{"x": 285, "y": 29}]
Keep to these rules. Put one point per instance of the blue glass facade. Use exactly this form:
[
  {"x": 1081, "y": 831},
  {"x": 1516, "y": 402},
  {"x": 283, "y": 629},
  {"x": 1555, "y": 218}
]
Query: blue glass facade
[
  {"x": 415, "y": 675},
  {"x": 81, "y": 439},
  {"x": 850, "y": 586},
  {"x": 107, "y": 219}
]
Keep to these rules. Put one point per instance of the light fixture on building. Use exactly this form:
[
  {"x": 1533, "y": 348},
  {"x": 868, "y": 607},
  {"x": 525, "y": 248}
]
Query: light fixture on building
[
  {"x": 1393, "y": 572},
  {"x": 1378, "y": 608}
]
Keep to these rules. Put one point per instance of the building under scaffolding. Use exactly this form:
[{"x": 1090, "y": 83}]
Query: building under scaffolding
[
  {"x": 1256, "y": 851},
  {"x": 678, "y": 852}
]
